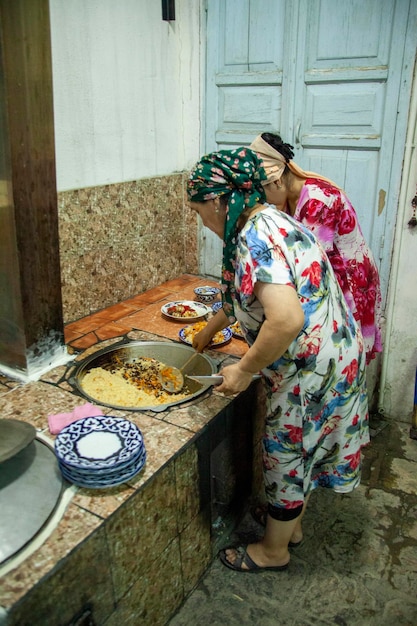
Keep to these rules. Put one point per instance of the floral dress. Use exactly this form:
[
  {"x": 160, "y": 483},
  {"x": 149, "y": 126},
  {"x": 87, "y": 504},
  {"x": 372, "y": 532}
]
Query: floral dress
[
  {"x": 327, "y": 212},
  {"x": 317, "y": 406}
]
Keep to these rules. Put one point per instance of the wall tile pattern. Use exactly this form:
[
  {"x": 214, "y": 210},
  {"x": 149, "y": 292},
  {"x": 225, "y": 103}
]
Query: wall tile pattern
[{"x": 119, "y": 240}]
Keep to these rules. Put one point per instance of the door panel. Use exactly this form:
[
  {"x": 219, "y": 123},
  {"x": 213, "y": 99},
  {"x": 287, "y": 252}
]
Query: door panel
[
  {"x": 326, "y": 75},
  {"x": 344, "y": 112},
  {"x": 245, "y": 52},
  {"x": 351, "y": 34},
  {"x": 244, "y": 69}
]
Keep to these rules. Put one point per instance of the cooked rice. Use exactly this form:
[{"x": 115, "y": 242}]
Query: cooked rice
[
  {"x": 191, "y": 331},
  {"x": 236, "y": 329},
  {"x": 134, "y": 384}
]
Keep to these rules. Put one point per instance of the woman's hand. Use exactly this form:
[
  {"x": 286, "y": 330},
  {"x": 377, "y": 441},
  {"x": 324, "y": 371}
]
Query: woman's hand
[
  {"x": 216, "y": 323},
  {"x": 235, "y": 379},
  {"x": 202, "y": 339}
]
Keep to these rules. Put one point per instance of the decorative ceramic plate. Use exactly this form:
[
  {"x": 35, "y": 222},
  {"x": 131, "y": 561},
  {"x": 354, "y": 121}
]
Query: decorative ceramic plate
[
  {"x": 184, "y": 310},
  {"x": 98, "y": 442},
  {"x": 91, "y": 481},
  {"x": 236, "y": 330},
  {"x": 216, "y": 306},
  {"x": 103, "y": 472},
  {"x": 187, "y": 333}
]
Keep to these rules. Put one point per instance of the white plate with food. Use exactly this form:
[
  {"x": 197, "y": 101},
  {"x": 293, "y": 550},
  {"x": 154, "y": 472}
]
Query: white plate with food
[
  {"x": 187, "y": 334},
  {"x": 185, "y": 310}
]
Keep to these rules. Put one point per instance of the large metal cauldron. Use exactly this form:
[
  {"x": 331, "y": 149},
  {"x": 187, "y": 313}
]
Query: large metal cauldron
[{"x": 168, "y": 353}]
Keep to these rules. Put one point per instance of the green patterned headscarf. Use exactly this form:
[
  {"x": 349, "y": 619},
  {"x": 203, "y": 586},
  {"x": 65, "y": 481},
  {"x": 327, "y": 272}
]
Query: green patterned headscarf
[{"x": 238, "y": 173}]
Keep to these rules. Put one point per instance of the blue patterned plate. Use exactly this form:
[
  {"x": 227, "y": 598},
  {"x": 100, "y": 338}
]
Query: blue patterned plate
[
  {"x": 90, "y": 481},
  {"x": 226, "y": 332},
  {"x": 216, "y": 306},
  {"x": 103, "y": 472},
  {"x": 98, "y": 442}
]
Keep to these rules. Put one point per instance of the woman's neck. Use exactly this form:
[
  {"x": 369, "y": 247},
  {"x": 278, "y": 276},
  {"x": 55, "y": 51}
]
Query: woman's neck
[
  {"x": 254, "y": 210},
  {"x": 246, "y": 215},
  {"x": 293, "y": 193}
]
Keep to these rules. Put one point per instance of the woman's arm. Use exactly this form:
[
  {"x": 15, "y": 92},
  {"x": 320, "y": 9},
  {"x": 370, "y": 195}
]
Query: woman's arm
[
  {"x": 284, "y": 318},
  {"x": 216, "y": 323}
]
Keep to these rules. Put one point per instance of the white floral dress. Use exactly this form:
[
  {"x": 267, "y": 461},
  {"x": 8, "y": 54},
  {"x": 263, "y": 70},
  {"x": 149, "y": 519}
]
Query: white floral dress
[{"x": 317, "y": 407}]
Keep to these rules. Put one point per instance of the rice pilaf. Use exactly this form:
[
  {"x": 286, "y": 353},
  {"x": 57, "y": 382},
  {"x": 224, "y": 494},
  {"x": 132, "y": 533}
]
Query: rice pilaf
[
  {"x": 191, "y": 331},
  {"x": 133, "y": 384}
]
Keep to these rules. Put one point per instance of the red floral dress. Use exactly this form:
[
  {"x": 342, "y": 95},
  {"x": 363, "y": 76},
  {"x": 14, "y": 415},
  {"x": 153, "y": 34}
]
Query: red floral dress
[
  {"x": 317, "y": 405},
  {"x": 327, "y": 212}
]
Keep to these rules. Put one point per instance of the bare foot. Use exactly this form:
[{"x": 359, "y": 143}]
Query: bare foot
[
  {"x": 297, "y": 537},
  {"x": 260, "y": 513}
]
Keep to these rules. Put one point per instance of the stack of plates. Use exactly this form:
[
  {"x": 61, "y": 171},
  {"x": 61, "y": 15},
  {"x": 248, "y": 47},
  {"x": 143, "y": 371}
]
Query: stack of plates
[{"x": 99, "y": 452}]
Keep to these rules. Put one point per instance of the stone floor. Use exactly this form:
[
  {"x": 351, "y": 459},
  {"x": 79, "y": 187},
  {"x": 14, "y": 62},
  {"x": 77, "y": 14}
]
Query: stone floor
[{"x": 356, "y": 567}]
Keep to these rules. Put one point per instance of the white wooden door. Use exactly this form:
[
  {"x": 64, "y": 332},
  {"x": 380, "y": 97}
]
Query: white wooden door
[{"x": 333, "y": 77}]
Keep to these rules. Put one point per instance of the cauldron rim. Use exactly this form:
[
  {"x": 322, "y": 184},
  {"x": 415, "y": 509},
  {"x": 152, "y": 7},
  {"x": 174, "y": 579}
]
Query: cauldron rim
[{"x": 161, "y": 350}]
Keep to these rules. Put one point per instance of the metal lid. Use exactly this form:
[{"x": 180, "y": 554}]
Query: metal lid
[{"x": 15, "y": 435}]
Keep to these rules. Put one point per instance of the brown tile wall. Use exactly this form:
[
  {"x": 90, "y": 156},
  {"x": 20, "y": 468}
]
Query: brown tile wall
[{"x": 119, "y": 240}]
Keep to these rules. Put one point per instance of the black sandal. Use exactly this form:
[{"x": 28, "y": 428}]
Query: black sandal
[{"x": 243, "y": 558}]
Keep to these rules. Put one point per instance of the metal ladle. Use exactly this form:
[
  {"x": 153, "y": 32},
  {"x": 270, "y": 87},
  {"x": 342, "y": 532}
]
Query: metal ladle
[{"x": 171, "y": 378}]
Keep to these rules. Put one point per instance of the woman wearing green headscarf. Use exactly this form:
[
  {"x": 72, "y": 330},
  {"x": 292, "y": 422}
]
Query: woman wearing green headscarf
[{"x": 278, "y": 282}]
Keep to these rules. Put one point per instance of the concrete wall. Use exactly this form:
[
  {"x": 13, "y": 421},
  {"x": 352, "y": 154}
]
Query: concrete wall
[
  {"x": 126, "y": 90},
  {"x": 127, "y": 101},
  {"x": 400, "y": 353}
]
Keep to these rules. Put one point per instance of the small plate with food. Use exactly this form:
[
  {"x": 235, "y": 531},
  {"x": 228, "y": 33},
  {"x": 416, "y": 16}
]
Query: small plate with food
[
  {"x": 188, "y": 333},
  {"x": 236, "y": 330},
  {"x": 185, "y": 310}
]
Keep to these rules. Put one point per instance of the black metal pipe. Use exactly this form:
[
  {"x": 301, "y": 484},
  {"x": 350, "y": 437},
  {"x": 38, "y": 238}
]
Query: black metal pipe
[{"x": 168, "y": 10}]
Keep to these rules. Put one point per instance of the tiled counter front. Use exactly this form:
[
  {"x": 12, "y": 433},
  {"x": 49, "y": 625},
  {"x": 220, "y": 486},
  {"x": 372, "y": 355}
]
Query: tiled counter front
[{"x": 131, "y": 554}]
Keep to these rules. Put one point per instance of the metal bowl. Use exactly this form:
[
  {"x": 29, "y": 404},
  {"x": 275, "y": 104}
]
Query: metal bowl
[{"x": 166, "y": 352}]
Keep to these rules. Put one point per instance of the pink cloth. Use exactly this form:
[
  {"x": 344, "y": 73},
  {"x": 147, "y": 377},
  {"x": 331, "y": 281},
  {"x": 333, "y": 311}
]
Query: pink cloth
[{"x": 57, "y": 422}]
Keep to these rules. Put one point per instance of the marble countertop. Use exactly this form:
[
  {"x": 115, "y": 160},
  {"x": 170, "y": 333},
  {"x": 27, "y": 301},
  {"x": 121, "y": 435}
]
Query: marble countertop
[{"x": 164, "y": 433}]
